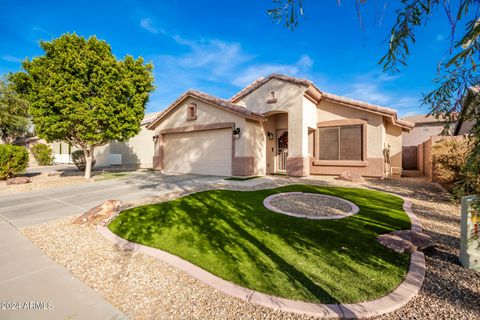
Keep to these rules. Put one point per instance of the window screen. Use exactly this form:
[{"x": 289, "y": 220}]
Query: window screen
[
  {"x": 351, "y": 143},
  {"x": 328, "y": 143},
  {"x": 340, "y": 143}
]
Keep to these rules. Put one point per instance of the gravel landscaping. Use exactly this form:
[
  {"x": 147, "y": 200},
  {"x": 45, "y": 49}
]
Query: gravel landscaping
[
  {"x": 145, "y": 288},
  {"x": 41, "y": 182},
  {"x": 310, "y": 204}
]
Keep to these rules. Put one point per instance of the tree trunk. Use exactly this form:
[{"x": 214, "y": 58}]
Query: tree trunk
[{"x": 88, "y": 152}]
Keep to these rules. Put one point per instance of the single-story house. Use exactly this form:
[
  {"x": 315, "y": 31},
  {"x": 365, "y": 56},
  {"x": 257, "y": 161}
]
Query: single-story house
[
  {"x": 277, "y": 125},
  {"x": 136, "y": 152}
]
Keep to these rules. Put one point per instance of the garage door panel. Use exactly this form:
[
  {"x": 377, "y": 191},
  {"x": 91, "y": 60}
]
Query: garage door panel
[{"x": 202, "y": 152}]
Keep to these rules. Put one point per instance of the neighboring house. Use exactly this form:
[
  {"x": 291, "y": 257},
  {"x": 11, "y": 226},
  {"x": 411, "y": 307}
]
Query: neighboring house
[
  {"x": 277, "y": 125},
  {"x": 136, "y": 152},
  {"x": 426, "y": 126}
]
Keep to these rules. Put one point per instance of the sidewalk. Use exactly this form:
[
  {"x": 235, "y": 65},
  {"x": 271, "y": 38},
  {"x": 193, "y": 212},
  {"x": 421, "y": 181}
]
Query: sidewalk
[{"x": 29, "y": 276}]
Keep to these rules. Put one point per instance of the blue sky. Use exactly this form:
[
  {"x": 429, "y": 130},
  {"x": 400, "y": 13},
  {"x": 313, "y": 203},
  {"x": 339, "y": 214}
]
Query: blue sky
[{"x": 220, "y": 46}]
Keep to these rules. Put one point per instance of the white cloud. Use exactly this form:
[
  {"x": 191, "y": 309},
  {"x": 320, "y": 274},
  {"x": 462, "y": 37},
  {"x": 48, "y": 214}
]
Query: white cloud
[
  {"x": 372, "y": 88},
  {"x": 214, "y": 66},
  {"x": 211, "y": 65},
  {"x": 300, "y": 67},
  {"x": 10, "y": 58},
  {"x": 147, "y": 24},
  {"x": 368, "y": 92},
  {"x": 305, "y": 61}
]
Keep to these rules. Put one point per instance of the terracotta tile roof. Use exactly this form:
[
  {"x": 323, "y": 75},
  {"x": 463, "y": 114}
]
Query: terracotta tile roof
[
  {"x": 221, "y": 103},
  {"x": 149, "y": 117},
  {"x": 324, "y": 95},
  {"x": 230, "y": 105},
  {"x": 259, "y": 82},
  {"x": 369, "y": 107}
]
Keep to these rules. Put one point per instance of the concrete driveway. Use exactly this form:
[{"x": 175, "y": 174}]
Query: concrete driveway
[
  {"x": 32, "y": 286},
  {"x": 28, "y": 208}
]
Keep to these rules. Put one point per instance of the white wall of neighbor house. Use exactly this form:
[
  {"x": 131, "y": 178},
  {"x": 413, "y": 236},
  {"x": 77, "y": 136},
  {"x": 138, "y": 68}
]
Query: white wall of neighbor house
[
  {"x": 206, "y": 114},
  {"x": 328, "y": 110},
  {"x": 466, "y": 127},
  {"x": 421, "y": 133},
  {"x": 137, "y": 151}
]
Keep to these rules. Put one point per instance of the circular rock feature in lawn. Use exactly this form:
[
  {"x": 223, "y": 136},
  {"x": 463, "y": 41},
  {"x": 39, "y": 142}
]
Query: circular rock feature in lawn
[{"x": 310, "y": 205}]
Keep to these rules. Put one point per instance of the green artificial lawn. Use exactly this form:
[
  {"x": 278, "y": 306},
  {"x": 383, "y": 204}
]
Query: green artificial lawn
[
  {"x": 232, "y": 235},
  {"x": 241, "y": 179}
]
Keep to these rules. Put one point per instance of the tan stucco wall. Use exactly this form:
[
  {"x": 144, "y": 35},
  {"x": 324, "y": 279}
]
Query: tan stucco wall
[
  {"x": 289, "y": 99},
  {"x": 393, "y": 137},
  {"x": 206, "y": 114},
  {"x": 254, "y": 134},
  {"x": 332, "y": 111},
  {"x": 288, "y": 96}
]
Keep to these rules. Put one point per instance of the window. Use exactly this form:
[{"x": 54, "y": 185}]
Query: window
[
  {"x": 192, "y": 111},
  {"x": 340, "y": 143}
]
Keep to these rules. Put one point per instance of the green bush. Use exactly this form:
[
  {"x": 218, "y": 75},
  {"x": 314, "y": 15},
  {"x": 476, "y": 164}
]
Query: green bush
[
  {"x": 43, "y": 154},
  {"x": 13, "y": 160},
  {"x": 78, "y": 158}
]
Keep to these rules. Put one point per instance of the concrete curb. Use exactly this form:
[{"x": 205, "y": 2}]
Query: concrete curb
[
  {"x": 391, "y": 302},
  {"x": 267, "y": 203}
]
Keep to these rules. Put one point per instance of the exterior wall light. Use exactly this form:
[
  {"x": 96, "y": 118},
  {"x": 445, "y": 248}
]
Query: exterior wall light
[
  {"x": 155, "y": 138},
  {"x": 270, "y": 135},
  {"x": 236, "y": 133}
]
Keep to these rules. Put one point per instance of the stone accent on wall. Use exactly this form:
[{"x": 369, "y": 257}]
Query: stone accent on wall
[
  {"x": 243, "y": 166},
  {"x": 298, "y": 166}
]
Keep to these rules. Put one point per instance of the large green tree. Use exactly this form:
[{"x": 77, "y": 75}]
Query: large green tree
[
  {"x": 13, "y": 114},
  {"x": 457, "y": 81},
  {"x": 80, "y": 93}
]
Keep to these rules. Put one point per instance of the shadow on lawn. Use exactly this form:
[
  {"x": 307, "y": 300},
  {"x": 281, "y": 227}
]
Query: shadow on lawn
[{"x": 231, "y": 233}]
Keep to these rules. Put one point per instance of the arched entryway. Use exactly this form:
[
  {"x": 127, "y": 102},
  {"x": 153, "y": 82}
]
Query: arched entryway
[{"x": 276, "y": 131}]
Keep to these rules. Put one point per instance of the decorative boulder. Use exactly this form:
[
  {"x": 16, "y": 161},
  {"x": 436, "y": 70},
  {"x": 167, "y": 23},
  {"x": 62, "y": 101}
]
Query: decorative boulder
[
  {"x": 406, "y": 240},
  {"x": 19, "y": 180},
  {"x": 351, "y": 176},
  {"x": 395, "y": 243},
  {"x": 101, "y": 214},
  {"x": 418, "y": 239}
]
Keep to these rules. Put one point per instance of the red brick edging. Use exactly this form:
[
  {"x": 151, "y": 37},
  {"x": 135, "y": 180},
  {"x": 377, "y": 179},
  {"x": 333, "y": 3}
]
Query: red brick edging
[{"x": 391, "y": 302}]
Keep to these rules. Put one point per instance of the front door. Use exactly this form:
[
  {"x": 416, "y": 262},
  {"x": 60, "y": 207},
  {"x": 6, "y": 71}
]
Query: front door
[{"x": 282, "y": 150}]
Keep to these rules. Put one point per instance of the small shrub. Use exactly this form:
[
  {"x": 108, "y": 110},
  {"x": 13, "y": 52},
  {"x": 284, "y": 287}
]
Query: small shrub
[
  {"x": 43, "y": 154},
  {"x": 449, "y": 167},
  {"x": 448, "y": 159},
  {"x": 78, "y": 158},
  {"x": 13, "y": 160}
]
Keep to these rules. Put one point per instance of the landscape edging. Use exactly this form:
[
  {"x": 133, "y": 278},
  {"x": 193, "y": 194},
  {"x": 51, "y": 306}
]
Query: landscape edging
[
  {"x": 405, "y": 291},
  {"x": 267, "y": 204}
]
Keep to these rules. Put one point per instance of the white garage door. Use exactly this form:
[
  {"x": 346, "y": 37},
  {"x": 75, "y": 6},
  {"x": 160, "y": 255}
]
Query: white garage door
[{"x": 202, "y": 152}]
